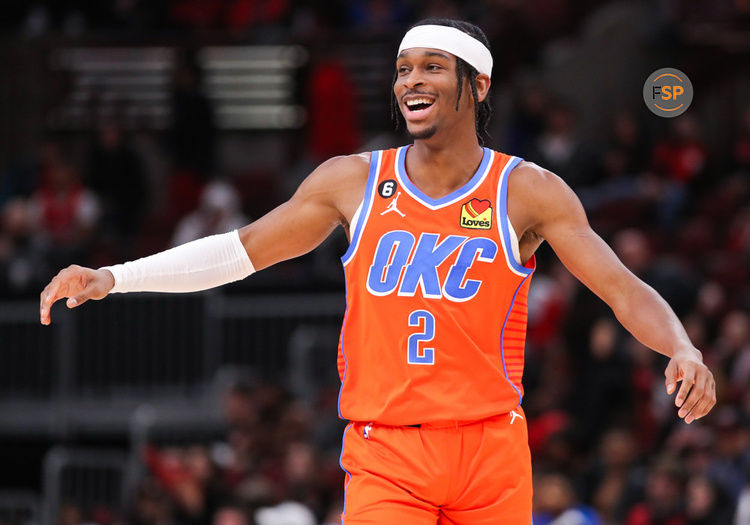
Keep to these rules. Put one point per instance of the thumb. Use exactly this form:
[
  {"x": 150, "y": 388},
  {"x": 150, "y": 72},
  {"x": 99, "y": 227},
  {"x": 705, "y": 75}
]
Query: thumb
[
  {"x": 77, "y": 300},
  {"x": 671, "y": 377}
]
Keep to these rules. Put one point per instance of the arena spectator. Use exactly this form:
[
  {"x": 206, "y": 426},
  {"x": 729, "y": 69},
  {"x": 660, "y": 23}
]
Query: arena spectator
[
  {"x": 629, "y": 138},
  {"x": 18, "y": 179},
  {"x": 191, "y": 137},
  {"x": 219, "y": 212},
  {"x": 681, "y": 160},
  {"x": 617, "y": 188},
  {"x": 376, "y": 16},
  {"x": 682, "y": 156},
  {"x": 670, "y": 276},
  {"x": 560, "y": 149},
  {"x": 285, "y": 513},
  {"x": 603, "y": 393},
  {"x": 733, "y": 348},
  {"x": 19, "y": 264},
  {"x": 706, "y": 504},
  {"x": 115, "y": 172},
  {"x": 742, "y": 515},
  {"x": 527, "y": 117},
  {"x": 151, "y": 506},
  {"x": 729, "y": 460},
  {"x": 333, "y": 127},
  {"x": 230, "y": 516},
  {"x": 662, "y": 502},
  {"x": 63, "y": 212},
  {"x": 611, "y": 473},
  {"x": 555, "y": 503}
]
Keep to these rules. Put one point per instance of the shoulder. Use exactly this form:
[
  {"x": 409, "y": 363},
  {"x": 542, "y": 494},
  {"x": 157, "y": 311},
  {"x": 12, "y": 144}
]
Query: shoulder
[
  {"x": 530, "y": 182},
  {"x": 539, "y": 196},
  {"x": 356, "y": 165},
  {"x": 528, "y": 176},
  {"x": 339, "y": 173},
  {"x": 339, "y": 182}
]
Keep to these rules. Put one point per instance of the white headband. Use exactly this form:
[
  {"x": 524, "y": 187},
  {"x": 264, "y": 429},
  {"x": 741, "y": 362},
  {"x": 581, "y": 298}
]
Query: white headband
[{"x": 453, "y": 41}]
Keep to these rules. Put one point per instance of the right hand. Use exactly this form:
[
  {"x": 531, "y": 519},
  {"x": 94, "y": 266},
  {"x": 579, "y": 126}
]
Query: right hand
[
  {"x": 697, "y": 394},
  {"x": 78, "y": 284}
]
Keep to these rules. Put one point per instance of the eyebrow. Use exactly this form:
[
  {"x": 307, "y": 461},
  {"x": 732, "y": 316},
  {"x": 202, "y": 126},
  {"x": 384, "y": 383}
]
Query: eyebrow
[{"x": 404, "y": 54}]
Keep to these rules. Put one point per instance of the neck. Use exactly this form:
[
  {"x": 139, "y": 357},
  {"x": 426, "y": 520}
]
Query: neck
[{"x": 442, "y": 164}]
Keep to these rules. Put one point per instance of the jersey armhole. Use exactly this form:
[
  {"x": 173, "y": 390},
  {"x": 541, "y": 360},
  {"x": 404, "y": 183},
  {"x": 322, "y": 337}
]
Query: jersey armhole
[
  {"x": 355, "y": 219},
  {"x": 508, "y": 235},
  {"x": 363, "y": 211},
  {"x": 514, "y": 245}
]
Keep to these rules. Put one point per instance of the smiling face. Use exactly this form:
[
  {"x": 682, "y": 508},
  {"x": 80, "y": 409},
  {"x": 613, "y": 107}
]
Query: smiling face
[{"x": 426, "y": 89}]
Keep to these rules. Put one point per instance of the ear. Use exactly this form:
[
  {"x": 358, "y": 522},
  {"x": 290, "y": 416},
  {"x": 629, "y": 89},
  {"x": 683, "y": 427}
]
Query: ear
[{"x": 483, "y": 86}]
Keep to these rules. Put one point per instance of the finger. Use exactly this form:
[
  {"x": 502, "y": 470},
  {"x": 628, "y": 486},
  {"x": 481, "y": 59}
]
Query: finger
[
  {"x": 58, "y": 288},
  {"x": 705, "y": 405},
  {"x": 42, "y": 309},
  {"x": 46, "y": 300},
  {"x": 671, "y": 377},
  {"x": 688, "y": 380},
  {"x": 699, "y": 410},
  {"x": 695, "y": 397},
  {"x": 78, "y": 299}
]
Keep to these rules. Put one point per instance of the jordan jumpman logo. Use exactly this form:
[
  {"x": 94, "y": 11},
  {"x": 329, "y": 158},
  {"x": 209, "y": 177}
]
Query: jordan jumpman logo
[{"x": 392, "y": 206}]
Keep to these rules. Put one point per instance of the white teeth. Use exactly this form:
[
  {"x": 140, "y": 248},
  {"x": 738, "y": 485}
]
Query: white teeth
[{"x": 414, "y": 102}]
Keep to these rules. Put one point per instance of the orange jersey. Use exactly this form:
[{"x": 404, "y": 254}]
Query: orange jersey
[{"x": 435, "y": 323}]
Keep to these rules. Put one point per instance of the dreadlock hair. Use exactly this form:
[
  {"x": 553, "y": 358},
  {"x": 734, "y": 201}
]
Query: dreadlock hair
[{"x": 482, "y": 110}]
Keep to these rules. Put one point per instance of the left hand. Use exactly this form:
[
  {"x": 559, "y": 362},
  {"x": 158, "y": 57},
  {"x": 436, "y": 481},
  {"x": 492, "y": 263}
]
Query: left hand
[{"x": 697, "y": 394}]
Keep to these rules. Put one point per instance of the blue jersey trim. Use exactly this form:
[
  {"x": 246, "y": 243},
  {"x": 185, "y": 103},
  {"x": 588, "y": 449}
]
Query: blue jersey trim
[
  {"x": 341, "y": 457},
  {"x": 503, "y": 216},
  {"x": 463, "y": 190},
  {"x": 341, "y": 345},
  {"x": 364, "y": 213},
  {"x": 502, "y": 338}
]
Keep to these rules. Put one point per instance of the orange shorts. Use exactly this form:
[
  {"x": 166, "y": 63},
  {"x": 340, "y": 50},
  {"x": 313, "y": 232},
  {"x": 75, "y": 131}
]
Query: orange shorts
[{"x": 473, "y": 473}]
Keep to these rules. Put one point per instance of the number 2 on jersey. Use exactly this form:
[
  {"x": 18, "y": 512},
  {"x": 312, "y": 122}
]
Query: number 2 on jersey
[{"x": 427, "y": 355}]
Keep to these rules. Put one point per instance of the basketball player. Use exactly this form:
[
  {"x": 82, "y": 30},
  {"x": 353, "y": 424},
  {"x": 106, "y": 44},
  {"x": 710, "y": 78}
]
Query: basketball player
[{"x": 442, "y": 240}]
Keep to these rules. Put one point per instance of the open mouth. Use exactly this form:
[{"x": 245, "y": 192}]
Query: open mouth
[{"x": 418, "y": 104}]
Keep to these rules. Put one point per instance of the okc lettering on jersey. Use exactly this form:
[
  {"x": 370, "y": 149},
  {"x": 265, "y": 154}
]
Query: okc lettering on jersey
[{"x": 398, "y": 264}]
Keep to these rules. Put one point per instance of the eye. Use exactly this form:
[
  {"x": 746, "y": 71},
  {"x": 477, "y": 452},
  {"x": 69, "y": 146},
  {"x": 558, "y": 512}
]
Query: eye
[
  {"x": 434, "y": 67},
  {"x": 402, "y": 69}
]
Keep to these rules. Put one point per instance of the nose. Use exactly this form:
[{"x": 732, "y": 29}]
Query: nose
[{"x": 414, "y": 79}]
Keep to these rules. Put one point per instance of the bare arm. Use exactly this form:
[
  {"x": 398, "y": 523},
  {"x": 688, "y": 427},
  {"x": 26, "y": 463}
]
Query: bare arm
[
  {"x": 327, "y": 198},
  {"x": 554, "y": 212}
]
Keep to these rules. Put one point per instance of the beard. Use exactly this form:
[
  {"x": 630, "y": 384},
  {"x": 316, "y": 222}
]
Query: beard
[{"x": 423, "y": 134}]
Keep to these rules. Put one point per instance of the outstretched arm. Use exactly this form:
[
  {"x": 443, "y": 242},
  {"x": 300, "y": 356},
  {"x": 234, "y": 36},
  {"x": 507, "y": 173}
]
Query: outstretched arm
[
  {"x": 555, "y": 213},
  {"x": 327, "y": 198}
]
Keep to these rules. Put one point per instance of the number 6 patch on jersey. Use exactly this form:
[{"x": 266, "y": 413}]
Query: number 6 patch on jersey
[{"x": 387, "y": 188}]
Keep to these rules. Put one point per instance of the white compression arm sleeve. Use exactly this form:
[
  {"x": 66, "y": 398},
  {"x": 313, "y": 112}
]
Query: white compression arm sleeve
[{"x": 197, "y": 265}]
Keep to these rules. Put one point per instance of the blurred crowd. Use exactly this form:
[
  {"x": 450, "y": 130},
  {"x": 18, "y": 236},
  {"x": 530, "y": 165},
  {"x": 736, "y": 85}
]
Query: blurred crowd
[
  {"x": 606, "y": 443},
  {"x": 281, "y": 19},
  {"x": 92, "y": 199},
  {"x": 278, "y": 465}
]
